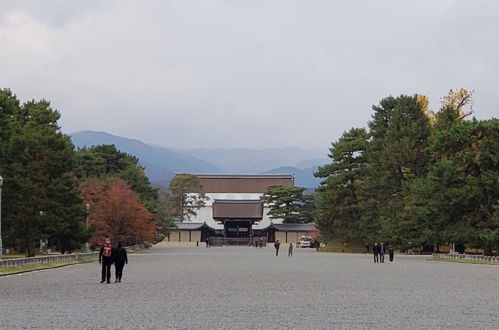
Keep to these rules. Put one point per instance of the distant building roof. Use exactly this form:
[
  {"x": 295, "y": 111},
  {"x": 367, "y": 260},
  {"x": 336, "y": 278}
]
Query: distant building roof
[
  {"x": 242, "y": 183},
  {"x": 229, "y": 209}
]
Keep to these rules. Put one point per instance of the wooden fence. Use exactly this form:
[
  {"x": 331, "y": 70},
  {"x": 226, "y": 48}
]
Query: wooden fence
[
  {"x": 19, "y": 262},
  {"x": 471, "y": 257}
]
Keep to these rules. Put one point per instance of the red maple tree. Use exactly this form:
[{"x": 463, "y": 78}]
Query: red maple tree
[{"x": 115, "y": 211}]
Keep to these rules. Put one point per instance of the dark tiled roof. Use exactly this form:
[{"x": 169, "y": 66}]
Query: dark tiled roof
[
  {"x": 242, "y": 183},
  {"x": 224, "y": 209}
]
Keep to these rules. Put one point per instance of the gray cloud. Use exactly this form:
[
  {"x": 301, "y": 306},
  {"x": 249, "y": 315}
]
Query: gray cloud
[{"x": 243, "y": 73}]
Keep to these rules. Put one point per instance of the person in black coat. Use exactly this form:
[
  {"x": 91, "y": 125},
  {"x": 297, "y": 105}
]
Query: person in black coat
[
  {"x": 391, "y": 250},
  {"x": 120, "y": 259},
  {"x": 375, "y": 252},
  {"x": 381, "y": 250},
  {"x": 277, "y": 244}
]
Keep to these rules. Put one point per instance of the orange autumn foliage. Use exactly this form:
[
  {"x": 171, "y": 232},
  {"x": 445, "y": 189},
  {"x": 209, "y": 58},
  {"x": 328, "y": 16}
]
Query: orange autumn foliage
[{"x": 115, "y": 211}]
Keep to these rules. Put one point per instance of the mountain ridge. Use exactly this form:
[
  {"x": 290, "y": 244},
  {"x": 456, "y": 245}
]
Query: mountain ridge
[{"x": 161, "y": 163}]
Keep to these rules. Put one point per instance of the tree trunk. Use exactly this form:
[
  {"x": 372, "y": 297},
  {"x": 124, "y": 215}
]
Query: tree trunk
[
  {"x": 487, "y": 250},
  {"x": 30, "y": 247}
]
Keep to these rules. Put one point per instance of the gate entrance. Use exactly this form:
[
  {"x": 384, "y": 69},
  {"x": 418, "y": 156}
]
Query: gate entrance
[
  {"x": 237, "y": 217},
  {"x": 240, "y": 229}
]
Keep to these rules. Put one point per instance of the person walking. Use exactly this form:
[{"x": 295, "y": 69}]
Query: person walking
[
  {"x": 277, "y": 244},
  {"x": 120, "y": 259},
  {"x": 106, "y": 259},
  {"x": 290, "y": 250},
  {"x": 375, "y": 252},
  {"x": 260, "y": 242},
  {"x": 381, "y": 252},
  {"x": 391, "y": 251}
]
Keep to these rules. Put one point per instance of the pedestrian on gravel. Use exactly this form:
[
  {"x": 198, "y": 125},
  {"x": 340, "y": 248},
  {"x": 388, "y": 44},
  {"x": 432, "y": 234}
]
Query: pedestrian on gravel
[
  {"x": 375, "y": 252},
  {"x": 106, "y": 259},
  {"x": 277, "y": 244},
  {"x": 381, "y": 250},
  {"x": 391, "y": 251},
  {"x": 120, "y": 259},
  {"x": 260, "y": 242},
  {"x": 290, "y": 250}
]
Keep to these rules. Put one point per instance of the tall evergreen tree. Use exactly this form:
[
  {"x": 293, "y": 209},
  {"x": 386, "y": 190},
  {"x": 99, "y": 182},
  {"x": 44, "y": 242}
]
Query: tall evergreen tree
[
  {"x": 338, "y": 212},
  {"x": 105, "y": 161},
  {"x": 40, "y": 199},
  {"x": 397, "y": 154},
  {"x": 456, "y": 200}
]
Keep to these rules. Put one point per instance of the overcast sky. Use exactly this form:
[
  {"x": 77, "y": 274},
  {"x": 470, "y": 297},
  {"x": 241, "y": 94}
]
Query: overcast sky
[{"x": 243, "y": 73}]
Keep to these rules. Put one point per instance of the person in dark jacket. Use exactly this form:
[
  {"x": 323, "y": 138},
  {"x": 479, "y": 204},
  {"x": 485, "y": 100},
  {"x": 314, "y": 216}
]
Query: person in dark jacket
[
  {"x": 277, "y": 244},
  {"x": 120, "y": 259},
  {"x": 391, "y": 251},
  {"x": 375, "y": 252},
  {"x": 106, "y": 259},
  {"x": 381, "y": 250}
]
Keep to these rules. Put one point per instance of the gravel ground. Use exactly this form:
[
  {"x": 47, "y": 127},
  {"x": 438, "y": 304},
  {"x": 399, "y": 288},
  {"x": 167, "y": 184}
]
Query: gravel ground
[{"x": 248, "y": 288}]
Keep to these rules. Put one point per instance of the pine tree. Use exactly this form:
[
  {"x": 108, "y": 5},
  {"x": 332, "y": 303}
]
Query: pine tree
[
  {"x": 40, "y": 200},
  {"x": 338, "y": 212},
  {"x": 289, "y": 204},
  {"x": 397, "y": 154}
]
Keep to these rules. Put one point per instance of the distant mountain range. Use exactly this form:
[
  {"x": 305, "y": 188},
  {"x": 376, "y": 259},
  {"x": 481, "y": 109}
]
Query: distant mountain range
[{"x": 160, "y": 163}]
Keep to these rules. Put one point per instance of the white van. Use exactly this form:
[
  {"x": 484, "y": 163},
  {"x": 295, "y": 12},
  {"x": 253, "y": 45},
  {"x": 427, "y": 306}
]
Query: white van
[{"x": 305, "y": 241}]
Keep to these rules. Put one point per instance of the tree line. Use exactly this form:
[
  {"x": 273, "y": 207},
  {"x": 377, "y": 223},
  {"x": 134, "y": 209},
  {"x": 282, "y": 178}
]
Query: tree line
[
  {"x": 65, "y": 196},
  {"x": 414, "y": 176}
]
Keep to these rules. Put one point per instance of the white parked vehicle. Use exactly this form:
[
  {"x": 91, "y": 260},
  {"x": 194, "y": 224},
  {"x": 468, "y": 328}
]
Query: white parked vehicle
[{"x": 305, "y": 241}]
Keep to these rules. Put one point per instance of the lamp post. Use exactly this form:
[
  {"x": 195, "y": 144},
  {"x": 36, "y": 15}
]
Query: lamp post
[
  {"x": 41, "y": 240},
  {"x": 87, "y": 245},
  {"x": 1, "y": 246}
]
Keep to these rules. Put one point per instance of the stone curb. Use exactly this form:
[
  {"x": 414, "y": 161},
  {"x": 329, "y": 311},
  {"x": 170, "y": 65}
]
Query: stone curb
[{"x": 47, "y": 268}]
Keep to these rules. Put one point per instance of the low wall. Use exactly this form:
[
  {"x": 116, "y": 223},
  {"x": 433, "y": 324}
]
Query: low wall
[
  {"x": 19, "y": 262},
  {"x": 457, "y": 256},
  {"x": 181, "y": 244}
]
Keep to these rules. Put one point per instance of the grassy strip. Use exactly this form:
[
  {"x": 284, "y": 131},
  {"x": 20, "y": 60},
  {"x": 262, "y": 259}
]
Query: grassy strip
[
  {"x": 465, "y": 261},
  {"x": 30, "y": 268},
  {"x": 336, "y": 249},
  {"x": 14, "y": 256}
]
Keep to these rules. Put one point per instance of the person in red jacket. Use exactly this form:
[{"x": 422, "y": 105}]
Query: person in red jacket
[{"x": 106, "y": 259}]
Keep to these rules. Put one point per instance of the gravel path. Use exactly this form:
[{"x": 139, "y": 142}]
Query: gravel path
[{"x": 248, "y": 288}]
